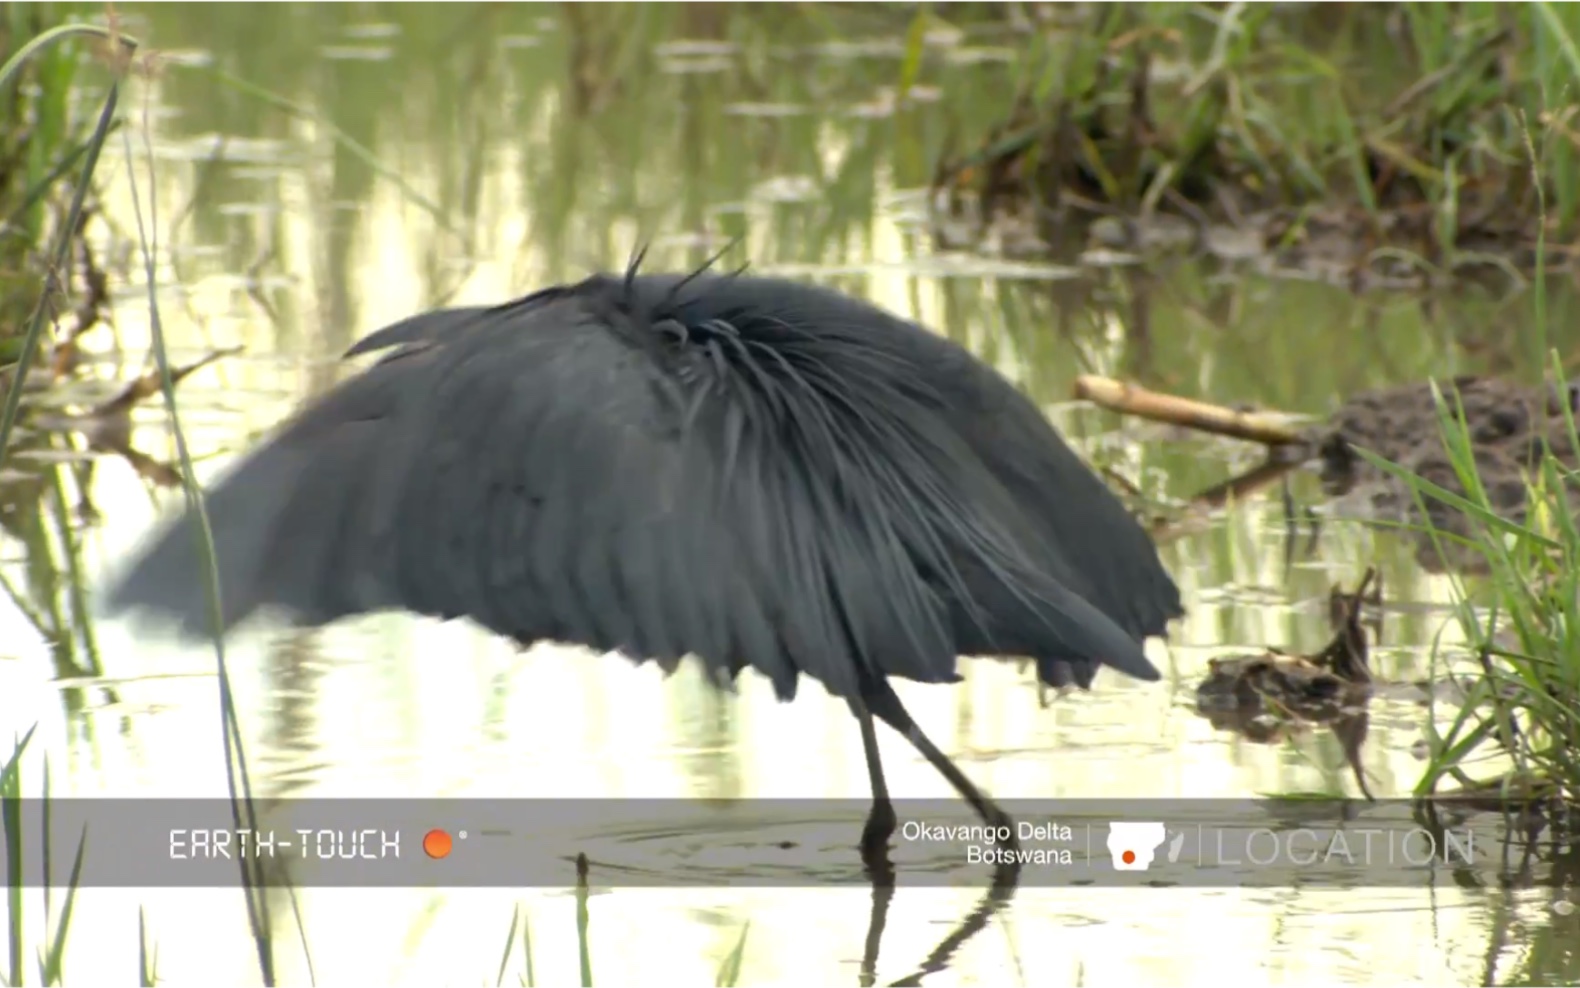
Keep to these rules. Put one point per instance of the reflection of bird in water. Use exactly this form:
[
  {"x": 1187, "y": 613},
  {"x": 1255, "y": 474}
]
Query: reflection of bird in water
[{"x": 753, "y": 471}]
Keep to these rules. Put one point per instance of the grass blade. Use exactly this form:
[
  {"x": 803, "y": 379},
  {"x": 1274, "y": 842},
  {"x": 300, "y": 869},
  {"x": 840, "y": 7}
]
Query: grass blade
[
  {"x": 57, "y": 947},
  {"x": 241, "y": 801},
  {"x": 147, "y": 962},
  {"x": 730, "y": 970},
  {"x": 61, "y": 254},
  {"x": 510, "y": 941},
  {"x": 582, "y": 919},
  {"x": 11, "y": 820}
]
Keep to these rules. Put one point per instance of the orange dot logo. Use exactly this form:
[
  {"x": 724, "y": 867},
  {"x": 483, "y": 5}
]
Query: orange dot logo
[
  {"x": 437, "y": 844},
  {"x": 1129, "y": 857}
]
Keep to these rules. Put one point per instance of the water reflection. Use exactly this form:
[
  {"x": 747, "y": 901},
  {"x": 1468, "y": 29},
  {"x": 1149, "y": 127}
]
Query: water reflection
[{"x": 415, "y": 154}]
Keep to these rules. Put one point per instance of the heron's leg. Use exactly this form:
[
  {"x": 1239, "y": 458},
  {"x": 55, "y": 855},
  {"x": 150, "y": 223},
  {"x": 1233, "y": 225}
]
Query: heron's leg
[
  {"x": 880, "y": 822},
  {"x": 875, "y": 844},
  {"x": 881, "y": 700}
]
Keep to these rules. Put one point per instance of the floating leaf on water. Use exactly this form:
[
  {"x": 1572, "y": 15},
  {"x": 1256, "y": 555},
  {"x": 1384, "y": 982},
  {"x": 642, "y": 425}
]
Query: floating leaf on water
[
  {"x": 943, "y": 36},
  {"x": 356, "y": 53},
  {"x": 249, "y": 208},
  {"x": 695, "y": 66},
  {"x": 789, "y": 188},
  {"x": 372, "y": 31},
  {"x": 894, "y": 48},
  {"x": 887, "y": 101},
  {"x": 767, "y": 109},
  {"x": 195, "y": 58},
  {"x": 1101, "y": 257},
  {"x": 876, "y": 110},
  {"x": 261, "y": 172},
  {"x": 980, "y": 56},
  {"x": 198, "y": 251},
  {"x": 1234, "y": 243},
  {"x": 695, "y": 48}
]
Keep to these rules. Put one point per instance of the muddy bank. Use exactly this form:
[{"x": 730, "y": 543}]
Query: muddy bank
[
  {"x": 1330, "y": 243},
  {"x": 1509, "y": 425}
]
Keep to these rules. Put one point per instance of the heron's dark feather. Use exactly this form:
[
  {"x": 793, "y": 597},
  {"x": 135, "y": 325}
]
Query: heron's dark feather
[{"x": 752, "y": 471}]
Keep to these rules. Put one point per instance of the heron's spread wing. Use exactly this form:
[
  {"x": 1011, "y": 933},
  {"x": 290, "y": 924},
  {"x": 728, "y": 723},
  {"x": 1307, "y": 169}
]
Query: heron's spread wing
[
  {"x": 1068, "y": 522},
  {"x": 548, "y": 471},
  {"x": 1080, "y": 531}
]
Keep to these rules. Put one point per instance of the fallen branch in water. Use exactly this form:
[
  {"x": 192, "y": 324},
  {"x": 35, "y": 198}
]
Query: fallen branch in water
[
  {"x": 1132, "y": 399},
  {"x": 108, "y": 425}
]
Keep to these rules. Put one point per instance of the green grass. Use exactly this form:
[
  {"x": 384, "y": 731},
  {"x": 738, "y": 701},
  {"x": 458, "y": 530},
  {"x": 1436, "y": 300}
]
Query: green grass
[
  {"x": 40, "y": 144},
  {"x": 51, "y": 956},
  {"x": 9, "y": 76},
  {"x": 34, "y": 133},
  {"x": 1412, "y": 119},
  {"x": 1522, "y": 621},
  {"x": 44, "y": 48},
  {"x": 47, "y": 160},
  {"x": 1522, "y": 711}
]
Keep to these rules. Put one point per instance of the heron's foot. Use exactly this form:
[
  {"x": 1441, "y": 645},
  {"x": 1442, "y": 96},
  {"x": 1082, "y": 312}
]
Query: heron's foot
[
  {"x": 1004, "y": 824},
  {"x": 875, "y": 835},
  {"x": 1006, "y": 870}
]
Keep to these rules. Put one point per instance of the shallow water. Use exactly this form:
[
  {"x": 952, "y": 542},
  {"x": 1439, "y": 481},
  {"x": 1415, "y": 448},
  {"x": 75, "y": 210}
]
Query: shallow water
[{"x": 684, "y": 127}]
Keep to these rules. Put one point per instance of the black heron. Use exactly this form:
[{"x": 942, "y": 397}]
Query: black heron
[{"x": 748, "y": 470}]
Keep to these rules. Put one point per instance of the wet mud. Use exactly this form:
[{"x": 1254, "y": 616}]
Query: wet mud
[{"x": 1509, "y": 425}]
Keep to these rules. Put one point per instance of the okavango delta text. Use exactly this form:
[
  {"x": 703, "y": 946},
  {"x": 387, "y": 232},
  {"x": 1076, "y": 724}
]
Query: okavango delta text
[
  {"x": 1041, "y": 844},
  {"x": 1199, "y": 853}
]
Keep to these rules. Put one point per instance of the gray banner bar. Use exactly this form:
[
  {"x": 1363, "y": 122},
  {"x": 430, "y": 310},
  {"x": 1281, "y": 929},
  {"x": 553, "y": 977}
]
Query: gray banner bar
[{"x": 766, "y": 843}]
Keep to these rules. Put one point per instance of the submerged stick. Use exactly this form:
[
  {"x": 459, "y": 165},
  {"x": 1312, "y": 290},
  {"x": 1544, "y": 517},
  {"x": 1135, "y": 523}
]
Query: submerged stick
[
  {"x": 1132, "y": 399},
  {"x": 1198, "y": 511}
]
